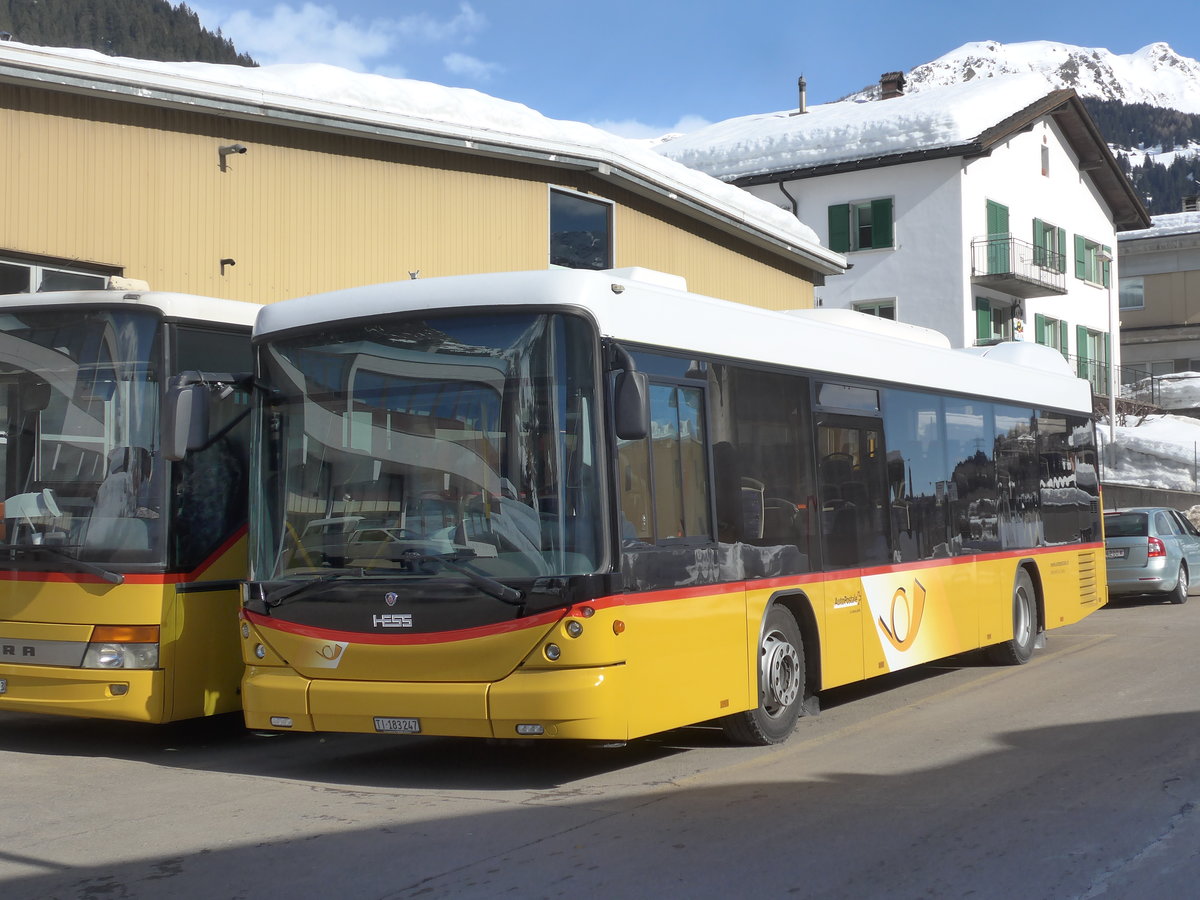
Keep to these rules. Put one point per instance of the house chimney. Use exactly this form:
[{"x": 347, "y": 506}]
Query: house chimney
[
  {"x": 1191, "y": 203},
  {"x": 891, "y": 84},
  {"x": 803, "y": 86}
]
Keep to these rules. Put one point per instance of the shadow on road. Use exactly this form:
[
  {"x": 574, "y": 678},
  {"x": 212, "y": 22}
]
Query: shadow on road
[{"x": 1048, "y": 813}]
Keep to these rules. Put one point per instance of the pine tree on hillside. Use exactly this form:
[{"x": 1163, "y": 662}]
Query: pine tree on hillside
[{"x": 142, "y": 29}]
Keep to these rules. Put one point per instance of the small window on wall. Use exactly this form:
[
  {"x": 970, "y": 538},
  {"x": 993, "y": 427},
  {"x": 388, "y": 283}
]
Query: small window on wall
[
  {"x": 1132, "y": 292},
  {"x": 1050, "y": 333},
  {"x": 866, "y": 225},
  {"x": 1088, "y": 263},
  {"x": 24, "y": 278},
  {"x": 580, "y": 231},
  {"x": 993, "y": 322},
  {"x": 1049, "y": 246},
  {"x": 883, "y": 309}
]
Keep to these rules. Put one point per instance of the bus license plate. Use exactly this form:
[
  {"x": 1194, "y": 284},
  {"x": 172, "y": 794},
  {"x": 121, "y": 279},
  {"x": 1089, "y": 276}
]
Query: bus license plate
[
  {"x": 397, "y": 726},
  {"x": 3, "y": 685}
]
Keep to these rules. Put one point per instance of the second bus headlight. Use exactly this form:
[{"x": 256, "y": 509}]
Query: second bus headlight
[{"x": 122, "y": 647}]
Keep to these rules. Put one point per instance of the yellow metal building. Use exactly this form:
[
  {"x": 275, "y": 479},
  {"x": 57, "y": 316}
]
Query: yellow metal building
[{"x": 196, "y": 178}]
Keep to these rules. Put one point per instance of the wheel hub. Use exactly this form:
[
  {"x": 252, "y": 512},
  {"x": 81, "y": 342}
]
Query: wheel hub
[{"x": 780, "y": 673}]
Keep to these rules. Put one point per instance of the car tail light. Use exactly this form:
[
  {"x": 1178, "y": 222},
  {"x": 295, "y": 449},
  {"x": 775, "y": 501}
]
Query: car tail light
[{"x": 1156, "y": 548}]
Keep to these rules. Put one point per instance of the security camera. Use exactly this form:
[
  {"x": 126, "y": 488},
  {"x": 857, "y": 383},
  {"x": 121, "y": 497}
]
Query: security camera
[{"x": 232, "y": 148}]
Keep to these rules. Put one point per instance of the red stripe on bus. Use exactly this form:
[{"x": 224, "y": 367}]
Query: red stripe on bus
[
  {"x": 130, "y": 578},
  {"x": 617, "y": 600},
  {"x": 433, "y": 637}
]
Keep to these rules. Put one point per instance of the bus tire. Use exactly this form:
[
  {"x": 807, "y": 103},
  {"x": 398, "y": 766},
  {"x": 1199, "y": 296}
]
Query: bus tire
[
  {"x": 1018, "y": 651},
  {"x": 781, "y": 684}
]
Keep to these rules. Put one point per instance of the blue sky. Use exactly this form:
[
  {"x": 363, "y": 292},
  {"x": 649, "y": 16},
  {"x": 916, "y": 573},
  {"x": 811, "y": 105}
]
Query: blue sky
[{"x": 645, "y": 67}]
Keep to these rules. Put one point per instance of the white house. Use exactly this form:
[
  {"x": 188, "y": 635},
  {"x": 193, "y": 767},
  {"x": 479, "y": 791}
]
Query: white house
[{"x": 986, "y": 210}]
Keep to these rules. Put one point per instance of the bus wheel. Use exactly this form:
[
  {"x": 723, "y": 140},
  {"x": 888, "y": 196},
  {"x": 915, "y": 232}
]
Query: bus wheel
[
  {"x": 780, "y": 684},
  {"x": 1024, "y": 605}
]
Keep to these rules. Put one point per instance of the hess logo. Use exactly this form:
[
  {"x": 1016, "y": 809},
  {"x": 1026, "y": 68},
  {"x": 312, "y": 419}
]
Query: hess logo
[{"x": 392, "y": 620}]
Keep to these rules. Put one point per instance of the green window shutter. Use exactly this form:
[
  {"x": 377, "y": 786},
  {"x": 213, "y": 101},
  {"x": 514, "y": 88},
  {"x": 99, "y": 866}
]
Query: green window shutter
[
  {"x": 1039, "y": 328},
  {"x": 1062, "y": 338},
  {"x": 1106, "y": 266},
  {"x": 1061, "y": 246},
  {"x": 1081, "y": 357},
  {"x": 983, "y": 319},
  {"x": 839, "y": 228},
  {"x": 1039, "y": 243},
  {"x": 1080, "y": 257},
  {"x": 881, "y": 223}
]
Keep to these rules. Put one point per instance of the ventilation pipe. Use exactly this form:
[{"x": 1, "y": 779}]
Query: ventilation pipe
[{"x": 802, "y": 85}]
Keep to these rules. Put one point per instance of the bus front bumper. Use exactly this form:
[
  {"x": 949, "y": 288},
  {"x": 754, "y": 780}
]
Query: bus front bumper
[
  {"x": 579, "y": 704},
  {"x": 130, "y": 695}
]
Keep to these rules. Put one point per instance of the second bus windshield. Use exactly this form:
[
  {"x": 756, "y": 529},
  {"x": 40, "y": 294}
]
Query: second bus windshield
[{"x": 392, "y": 442}]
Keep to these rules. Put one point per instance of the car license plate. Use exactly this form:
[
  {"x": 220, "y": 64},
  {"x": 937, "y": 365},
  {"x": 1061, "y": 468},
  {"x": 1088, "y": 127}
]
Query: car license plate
[
  {"x": 1116, "y": 553},
  {"x": 3, "y": 685},
  {"x": 397, "y": 726}
]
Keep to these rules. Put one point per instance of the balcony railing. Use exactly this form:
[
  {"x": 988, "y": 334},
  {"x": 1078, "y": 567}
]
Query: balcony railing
[
  {"x": 1018, "y": 267},
  {"x": 1133, "y": 384}
]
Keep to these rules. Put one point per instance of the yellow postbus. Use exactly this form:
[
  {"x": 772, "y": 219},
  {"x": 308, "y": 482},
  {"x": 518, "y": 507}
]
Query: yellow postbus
[
  {"x": 120, "y": 558},
  {"x": 592, "y": 505}
]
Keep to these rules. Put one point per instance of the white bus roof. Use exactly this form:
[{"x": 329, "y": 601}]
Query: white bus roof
[
  {"x": 172, "y": 305},
  {"x": 641, "y": 307}
]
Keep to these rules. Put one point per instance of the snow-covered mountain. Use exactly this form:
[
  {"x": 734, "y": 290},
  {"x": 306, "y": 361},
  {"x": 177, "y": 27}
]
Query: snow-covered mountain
[{"x": 1155, "y": 74}]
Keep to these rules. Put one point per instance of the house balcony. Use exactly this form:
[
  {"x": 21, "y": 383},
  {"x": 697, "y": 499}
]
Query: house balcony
[{"x": 1017, "y": 268}]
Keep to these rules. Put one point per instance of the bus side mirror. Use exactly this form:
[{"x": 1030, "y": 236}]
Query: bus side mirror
[
  {"x": 185, "y": 420},
  {"x": 631, "y": 405}
]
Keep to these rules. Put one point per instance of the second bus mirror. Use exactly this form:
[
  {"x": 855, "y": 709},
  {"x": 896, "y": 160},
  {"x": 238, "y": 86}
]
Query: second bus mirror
[
  {"x": 631, "y": 406},
  {"x": 185, "y": 420}
]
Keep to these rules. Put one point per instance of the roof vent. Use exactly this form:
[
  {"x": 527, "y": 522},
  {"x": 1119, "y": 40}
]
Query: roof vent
[
  {"x": 1191, "y": 203},
  {"x": 891, "y": 84},
  {"x": 803, "y": 87}
]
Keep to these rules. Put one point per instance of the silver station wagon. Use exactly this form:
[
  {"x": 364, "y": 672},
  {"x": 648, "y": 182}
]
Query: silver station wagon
[{"x": 1150, "y": 550}]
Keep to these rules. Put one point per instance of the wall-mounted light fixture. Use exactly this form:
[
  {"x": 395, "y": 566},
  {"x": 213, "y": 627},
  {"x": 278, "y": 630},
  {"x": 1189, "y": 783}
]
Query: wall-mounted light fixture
[
  {"x": 227, "y": 262},
  {"x": 226, "y": 149}
]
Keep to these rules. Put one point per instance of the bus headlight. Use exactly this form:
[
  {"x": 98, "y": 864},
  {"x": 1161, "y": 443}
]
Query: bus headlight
[{"x": 122, "y": 647}]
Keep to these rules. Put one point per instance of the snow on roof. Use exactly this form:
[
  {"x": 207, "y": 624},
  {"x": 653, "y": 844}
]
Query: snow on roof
[
  {"x": 329, "y": 92},
  {"x": 1165, "y": 225},
  {"x": 840, "y": 132}
]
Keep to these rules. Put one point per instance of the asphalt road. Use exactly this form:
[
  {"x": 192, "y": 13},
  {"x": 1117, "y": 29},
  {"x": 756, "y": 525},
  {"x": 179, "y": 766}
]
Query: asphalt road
[{"x": 1076, "y": 776}]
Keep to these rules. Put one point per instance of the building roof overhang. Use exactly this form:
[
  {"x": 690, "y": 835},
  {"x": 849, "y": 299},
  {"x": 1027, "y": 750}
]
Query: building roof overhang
[
  {"x": 108, "y": 79},
  {"x": 1068, "y": 113}
]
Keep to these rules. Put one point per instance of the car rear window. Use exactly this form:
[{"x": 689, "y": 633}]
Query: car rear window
[{"x": 1125, "y": 524}]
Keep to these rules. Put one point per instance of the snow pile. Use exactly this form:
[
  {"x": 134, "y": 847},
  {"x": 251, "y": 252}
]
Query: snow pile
[
  {"x": 1180, "y": 390},
  {"x": 1161, "y": 451},
  {"x": 837, "y": 132},
  {"x": 461, "y": 113},
  {"x": 1165, "y": 225}
]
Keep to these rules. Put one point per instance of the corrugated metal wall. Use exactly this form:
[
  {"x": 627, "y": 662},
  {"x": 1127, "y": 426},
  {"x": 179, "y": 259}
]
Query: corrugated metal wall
[{"x": 142, "y": 188}]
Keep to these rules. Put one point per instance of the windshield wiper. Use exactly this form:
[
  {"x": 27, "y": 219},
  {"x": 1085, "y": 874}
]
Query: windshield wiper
[
  {"x": 291, "y": 591},
  {"x": 71, "y": 562},
  {"x": 454, "y": 562}
]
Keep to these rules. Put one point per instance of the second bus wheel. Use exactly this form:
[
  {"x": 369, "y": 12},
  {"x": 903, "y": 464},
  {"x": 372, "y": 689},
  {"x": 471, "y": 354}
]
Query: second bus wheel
[
  {"x": 1025, "y": 625},
  {"x": 780, "y": 684}
]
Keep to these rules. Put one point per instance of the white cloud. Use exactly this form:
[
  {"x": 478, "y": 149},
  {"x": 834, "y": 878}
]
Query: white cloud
[
  {"x": 632, "y": 128},
  {"x": 311, "y": 32},
  {"x": 469, "y": 66}
]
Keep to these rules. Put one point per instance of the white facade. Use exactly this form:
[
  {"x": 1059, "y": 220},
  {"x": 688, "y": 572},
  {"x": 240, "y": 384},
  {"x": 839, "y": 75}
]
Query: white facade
[{"x": 939, "y": 208}]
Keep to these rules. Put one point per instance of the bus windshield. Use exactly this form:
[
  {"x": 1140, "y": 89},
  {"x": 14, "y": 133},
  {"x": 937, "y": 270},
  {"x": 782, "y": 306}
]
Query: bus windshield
[
  {"x": 79, "y": 400},
  {"x": 441, "y": 447}
]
